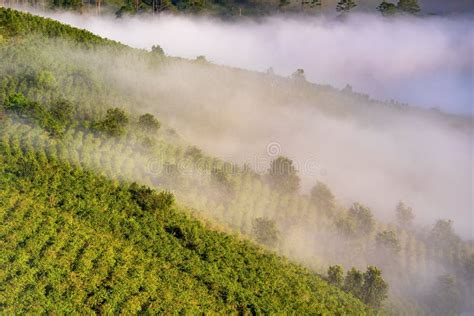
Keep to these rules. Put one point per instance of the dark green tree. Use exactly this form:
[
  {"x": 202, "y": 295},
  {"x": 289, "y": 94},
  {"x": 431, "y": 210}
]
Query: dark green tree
[
  {"x": 149, "y": 123},
  {"x": 375, "y": 289},
  {"x": 283, "y": 176},
  {"x": 387, "y": 8},
  {"x": 149, "y": 200},
  {"x": 409, "y": 6},
  {"x": 157, "y": 50},
  {"x": 336, "y": 275},
  {"x": 345, "y": 6},
  {"x": 283, "y": 3},
  {"x": 114, "y": 123},
  {"x": 353, "y": 282},
  {"x": 265, "y": 231},
  {"x": 62, "y": 110}
]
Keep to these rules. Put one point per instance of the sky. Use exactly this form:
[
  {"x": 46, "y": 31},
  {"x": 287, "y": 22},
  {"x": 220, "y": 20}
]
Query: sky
[{"x": 421, "y": 61}]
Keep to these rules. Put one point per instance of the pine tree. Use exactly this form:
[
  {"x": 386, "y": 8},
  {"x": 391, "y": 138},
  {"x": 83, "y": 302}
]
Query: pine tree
[
  {"x": 387, "y": 8},
  {"x": 409, "y": 6},
  {"x": 345, "y": 6}
]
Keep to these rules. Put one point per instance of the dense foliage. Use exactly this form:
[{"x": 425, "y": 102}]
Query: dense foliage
[{"x": 73, "y": 242}]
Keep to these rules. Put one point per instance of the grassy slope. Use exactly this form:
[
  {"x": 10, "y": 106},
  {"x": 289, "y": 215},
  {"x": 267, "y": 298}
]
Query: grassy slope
[{"x": 74, "y": 241}]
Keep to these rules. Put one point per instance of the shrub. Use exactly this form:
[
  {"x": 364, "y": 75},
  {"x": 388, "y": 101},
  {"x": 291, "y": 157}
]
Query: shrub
[
  {"x": 149, "y": 200},
  {"x": 148, "y": 123},
  {"x": 114, "y": 123}
]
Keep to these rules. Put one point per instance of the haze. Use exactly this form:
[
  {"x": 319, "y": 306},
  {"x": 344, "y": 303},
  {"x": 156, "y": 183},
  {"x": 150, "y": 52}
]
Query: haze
[{"x": 421, "y": 61}]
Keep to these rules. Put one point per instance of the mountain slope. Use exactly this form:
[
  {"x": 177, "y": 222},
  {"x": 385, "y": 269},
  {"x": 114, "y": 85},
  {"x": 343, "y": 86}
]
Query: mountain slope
[
  {"x": 74, "y": 241},
  {"x": 102, "y": 92}
]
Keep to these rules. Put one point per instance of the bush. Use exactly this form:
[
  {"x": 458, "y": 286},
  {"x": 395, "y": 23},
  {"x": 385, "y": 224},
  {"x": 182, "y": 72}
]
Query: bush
[
  {"x": 148, "y": 123},
  {"x": 114, "y": 123},
  {"x": 149, "y": 200}
]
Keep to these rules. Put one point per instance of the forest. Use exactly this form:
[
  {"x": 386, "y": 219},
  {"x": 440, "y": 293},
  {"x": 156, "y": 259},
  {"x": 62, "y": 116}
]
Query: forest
[
  {"x": 107, "y": 208},
  {"x": 227, "y": 9}
]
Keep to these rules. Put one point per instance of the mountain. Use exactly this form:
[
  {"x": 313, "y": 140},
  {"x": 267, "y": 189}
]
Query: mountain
[
  {"x": 74, "y": 241},
  {"x": 83, "y": 118}
]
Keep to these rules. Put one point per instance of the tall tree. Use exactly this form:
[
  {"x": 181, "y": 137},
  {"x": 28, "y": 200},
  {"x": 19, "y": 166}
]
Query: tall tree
[
  {"x": 363, "y": 218},
  {"x": 322, "y": 198},
  {"x": 443, "y": 236},
  {"x": 344, "y": 6},
  {"x": 387, "y": 241},
  {"x": 265, "y": 231},
  {"x": 446, "y": 297},
  {"x": 387, "y": 8},
  {"x": 409, "y": 6},
  {"x": 353, "y": 282},
  {"x": 283, "y": 176},
  {"x": 336, "y": 275},
  {"x": 404, "y": 215},
  {"x": 375, "y": 289}
]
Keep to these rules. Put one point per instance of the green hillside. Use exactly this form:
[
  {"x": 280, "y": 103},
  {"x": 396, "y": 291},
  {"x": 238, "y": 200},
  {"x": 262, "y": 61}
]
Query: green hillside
[
  {"x": 74, "y": 241},
  {"x": 76, "y": 134}
]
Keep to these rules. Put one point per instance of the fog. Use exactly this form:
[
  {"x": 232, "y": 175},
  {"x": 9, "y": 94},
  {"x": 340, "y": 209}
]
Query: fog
[
  {"x": 367, "y": 151},
  {"x": 374, "y": 155},
  {"x": 422, "y": 61}
]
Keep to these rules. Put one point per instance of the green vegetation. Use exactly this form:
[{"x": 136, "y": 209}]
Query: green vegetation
[
  {"x": 403, "y": 6},
  {"x": 265, "y": 232},
  {"x": 99, "y": 172},
  {"x": 73, "y": 242},
  {"x": 76, "y": 241},
  {"x": 283, "y": 176},
  {"x": 370, "y": 287},
  {"x": 345, "y": 6}
]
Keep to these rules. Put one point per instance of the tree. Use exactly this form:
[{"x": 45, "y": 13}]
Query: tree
[
  {"x": 345, "y": 6},
  {"x": 157, "y": 50},
  {"x": 201, "y": 59},
  {"x": 353, "y": 282},
  {"x": 446, "y": 297},
  {"x": 409, "y": 6},
  {"x": 62, "y": 111},
  {"x": 283, "y": 3},
  {"x": 363, "y": 218},
  {"x": 336, "y": 275},
  {"x": 114, "y": 122},
  {"x": 148, "y": 123},
  {"x": 375, "y": 289},
  {"x": 387, "y": 241},
  {"x": 387, "y": 8},
  {"x": 299, "y": 75},
  {"x": 404, "y": 215},
  {"x": 148, "y": 199},
  {"x": 322, "y": 198},
  {"x": 443, "y": 236},
  {"x": 283, "y": 176},
  {"x": 265, "y": 231}
]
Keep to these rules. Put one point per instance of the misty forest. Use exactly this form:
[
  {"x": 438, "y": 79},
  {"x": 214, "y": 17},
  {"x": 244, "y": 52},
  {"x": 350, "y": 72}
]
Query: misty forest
[{"x": 242, "y": 157}]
